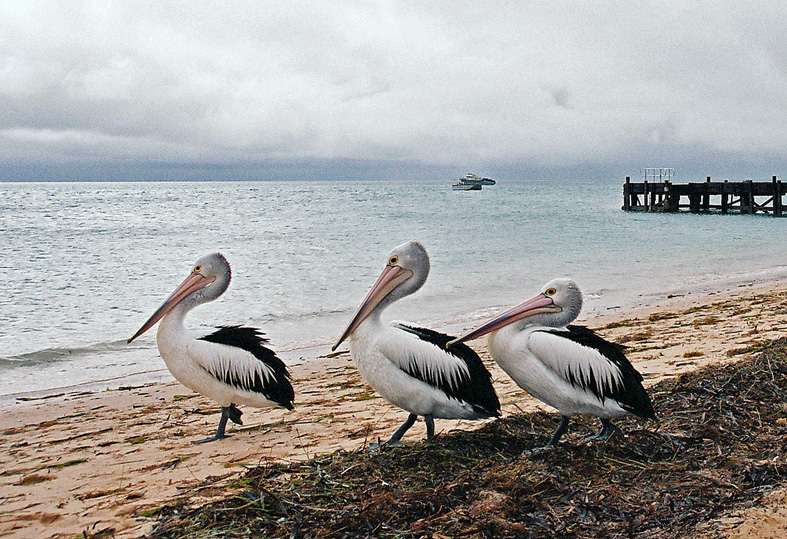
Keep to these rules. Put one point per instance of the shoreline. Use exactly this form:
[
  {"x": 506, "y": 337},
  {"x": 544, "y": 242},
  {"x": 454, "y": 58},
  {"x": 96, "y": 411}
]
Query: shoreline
[
  {"x": 103, "y": 460},
  {"x": 593, "y": 311}
]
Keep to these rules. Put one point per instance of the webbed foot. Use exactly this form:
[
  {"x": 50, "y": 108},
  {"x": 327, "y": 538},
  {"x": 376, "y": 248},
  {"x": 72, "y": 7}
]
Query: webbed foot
[{"x": 607, "y": 430}]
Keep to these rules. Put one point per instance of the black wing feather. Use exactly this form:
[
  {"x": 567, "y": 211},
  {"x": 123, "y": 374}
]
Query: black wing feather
[
  {"x": 253, "y": 341},
  {"x": 476, "y": 390},
  {"x": 629, "y": 394}
]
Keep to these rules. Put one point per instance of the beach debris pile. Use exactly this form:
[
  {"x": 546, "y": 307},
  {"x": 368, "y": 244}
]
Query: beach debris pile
[{"x": 720, "y": 446}]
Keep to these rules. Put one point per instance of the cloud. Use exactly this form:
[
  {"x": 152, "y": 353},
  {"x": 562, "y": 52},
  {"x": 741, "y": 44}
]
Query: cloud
[{"x": 436, "y": 84}]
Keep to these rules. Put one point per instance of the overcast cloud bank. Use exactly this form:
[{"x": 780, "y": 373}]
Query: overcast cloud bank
[{"x": 332, "y": 90}]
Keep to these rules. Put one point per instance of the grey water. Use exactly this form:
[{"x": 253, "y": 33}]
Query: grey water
[{"x": 84, "y": 264}]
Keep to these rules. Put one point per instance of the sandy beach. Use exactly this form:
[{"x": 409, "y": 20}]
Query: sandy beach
[{"x": 103, "y": 461}]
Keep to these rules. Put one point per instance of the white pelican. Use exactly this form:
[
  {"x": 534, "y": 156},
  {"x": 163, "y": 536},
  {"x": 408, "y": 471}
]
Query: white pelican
[
  {"x": 568, "y": 367},
  {"x": 230, "y": 365},
  {"x": 409, "y": 365}
]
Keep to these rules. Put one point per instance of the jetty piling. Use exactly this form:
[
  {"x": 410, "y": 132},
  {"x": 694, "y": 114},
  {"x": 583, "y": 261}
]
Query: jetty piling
[{"x": 745, "y": 197}]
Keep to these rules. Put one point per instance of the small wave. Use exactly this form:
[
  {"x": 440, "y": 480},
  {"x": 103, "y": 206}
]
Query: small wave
[
  {"x": 299, "y": 317},
  {"x": 49, "y": 355}
]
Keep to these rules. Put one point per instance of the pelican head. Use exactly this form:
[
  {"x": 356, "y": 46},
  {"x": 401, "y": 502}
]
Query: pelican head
[
  {"x": 209, "y": 278},
  {"x": 557, "y": 305},
  {"x": 405, "y": 272}
]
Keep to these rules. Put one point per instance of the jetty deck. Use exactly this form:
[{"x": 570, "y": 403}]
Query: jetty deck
[{"x": 745, "y": 197}]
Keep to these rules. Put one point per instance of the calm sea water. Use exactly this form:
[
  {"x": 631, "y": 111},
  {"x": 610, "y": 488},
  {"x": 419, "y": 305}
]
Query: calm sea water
[{"x": 85, "y": 264}]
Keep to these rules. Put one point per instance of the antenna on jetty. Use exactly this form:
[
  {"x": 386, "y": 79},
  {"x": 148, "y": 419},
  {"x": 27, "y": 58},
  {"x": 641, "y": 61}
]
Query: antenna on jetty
[{"x": 660, "y": 174}]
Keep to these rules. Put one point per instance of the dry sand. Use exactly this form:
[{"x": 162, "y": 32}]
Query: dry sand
[{"x": 100, "y": 461}]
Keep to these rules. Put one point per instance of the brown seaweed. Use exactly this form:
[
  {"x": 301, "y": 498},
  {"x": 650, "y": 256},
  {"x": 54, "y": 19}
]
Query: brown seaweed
[{"x": 720, "y": 446}]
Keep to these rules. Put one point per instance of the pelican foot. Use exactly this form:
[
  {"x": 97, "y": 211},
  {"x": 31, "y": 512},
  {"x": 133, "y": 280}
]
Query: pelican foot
[
  {"x": 210, "y": 439},
  {"x": 562, "y": 428},
  {"x": 596, "y": 438},
  {"x": 404, "y": 428},
  {"x": 537, "y": 451},
  {"x": 375, "y": 447},
  {"x": 607, "y": 430},
  {"x": 227, "y": 412}
]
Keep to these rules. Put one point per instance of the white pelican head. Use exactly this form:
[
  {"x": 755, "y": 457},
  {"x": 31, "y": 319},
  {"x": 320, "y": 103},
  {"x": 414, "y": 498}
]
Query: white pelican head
[
  {"x": 405, "y": 272},
  {"x": 209, "y": 278},
  {"x": 557, "y": 305}
]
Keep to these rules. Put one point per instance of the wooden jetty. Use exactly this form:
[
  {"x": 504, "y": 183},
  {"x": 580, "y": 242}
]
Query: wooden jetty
[{"x": 746, "y": 197}]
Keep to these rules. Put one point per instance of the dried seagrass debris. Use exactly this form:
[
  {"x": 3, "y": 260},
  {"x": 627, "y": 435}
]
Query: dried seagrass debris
[{"x": 720, "y": 445}]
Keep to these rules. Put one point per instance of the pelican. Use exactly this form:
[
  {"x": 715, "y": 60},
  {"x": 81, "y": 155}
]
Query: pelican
[
  {"x": 231, "y": 365},
  {"x": 568, "y": 367},
  {"x": 409, "y": 365}
]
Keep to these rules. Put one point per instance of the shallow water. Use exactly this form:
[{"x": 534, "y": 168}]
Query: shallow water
[{"x": 85, "y": 264}]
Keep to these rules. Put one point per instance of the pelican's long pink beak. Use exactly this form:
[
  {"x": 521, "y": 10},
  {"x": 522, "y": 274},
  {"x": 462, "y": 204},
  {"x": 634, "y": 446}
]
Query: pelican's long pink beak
[
  {"x": 535, "y": 305},
  {"x": 390, "y": 278},
  {"x": 192, "y": 283}
]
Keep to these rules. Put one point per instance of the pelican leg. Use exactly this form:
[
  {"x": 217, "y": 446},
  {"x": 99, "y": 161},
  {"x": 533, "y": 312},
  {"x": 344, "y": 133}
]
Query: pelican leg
[
  {"x": 562, "y": 428},
  {"x": 608, "y": 428},
  {"x": 429, "y": 420},
  {"x": 401, "y": 430},
  {"x": 225, "y": 415}
]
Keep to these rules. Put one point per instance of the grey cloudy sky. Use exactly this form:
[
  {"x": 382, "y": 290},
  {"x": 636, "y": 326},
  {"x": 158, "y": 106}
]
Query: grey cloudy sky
[{"x": 359, "y": 89}]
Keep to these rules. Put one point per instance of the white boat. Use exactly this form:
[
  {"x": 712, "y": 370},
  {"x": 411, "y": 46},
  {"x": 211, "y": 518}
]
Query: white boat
[{"x": 471, "y": 182}]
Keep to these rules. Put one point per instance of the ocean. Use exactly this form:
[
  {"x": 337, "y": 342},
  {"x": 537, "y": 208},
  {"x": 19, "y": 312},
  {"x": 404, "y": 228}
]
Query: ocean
[{"x": 85, "y": 264}]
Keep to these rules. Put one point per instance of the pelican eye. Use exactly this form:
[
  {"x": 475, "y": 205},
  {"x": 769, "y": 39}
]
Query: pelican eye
[
  {"x": 197, "y": 269},
  {"x": 550, "y": 292},
  {"x": 393, "y": 260}
]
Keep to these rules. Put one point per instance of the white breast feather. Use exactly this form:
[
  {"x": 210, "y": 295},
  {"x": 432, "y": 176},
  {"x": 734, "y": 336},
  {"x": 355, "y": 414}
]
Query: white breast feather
[
  {"x": 229, "y": 362},
  {"x": 568, "y": 358},
  {"x": 406, "y": 350}
]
